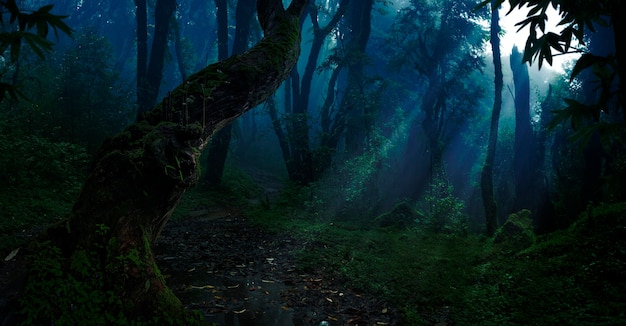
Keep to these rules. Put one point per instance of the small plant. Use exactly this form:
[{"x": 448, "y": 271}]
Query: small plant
[{"x": 442, "y": 211}]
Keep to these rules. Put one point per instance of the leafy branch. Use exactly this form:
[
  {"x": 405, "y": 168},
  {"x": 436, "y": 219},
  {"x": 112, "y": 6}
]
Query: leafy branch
[{"x": 31, "y": 27}]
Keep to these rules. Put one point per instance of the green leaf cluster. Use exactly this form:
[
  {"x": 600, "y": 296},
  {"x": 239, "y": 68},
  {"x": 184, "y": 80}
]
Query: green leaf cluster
[{"x": 30, "y": 27}]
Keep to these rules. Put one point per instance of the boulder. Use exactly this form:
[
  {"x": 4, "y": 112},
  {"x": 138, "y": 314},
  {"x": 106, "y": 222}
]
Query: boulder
[
  {"x": 517, "y": 231},
  {"x": 401, "y": 216}
]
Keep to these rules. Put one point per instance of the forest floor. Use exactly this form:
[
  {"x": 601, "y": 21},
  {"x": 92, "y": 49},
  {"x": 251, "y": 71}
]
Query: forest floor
[
  {"x": 257, "y": 252},
  {"x": 236, "y": 273}
]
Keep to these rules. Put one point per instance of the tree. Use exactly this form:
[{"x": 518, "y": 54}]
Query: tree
[
  {"x": 150, "y": 73},
  {"x": 436, "y": 46},
  {"x": 598, "y": 124},
  {"x": 139, "y": 176},
  {"x": 92, "y": 101},
  {"x": 218, "y": 148},
  {"x": 486, "y": 175},
  {"x": 524, "y": 147},
  {"x": 579, "y": 18},
  {"x": 304, "y": 164},
  {"x": 531, "y": 190}
]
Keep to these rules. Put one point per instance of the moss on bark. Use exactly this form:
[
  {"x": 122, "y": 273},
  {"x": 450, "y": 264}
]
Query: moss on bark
[{"x": 136, "y": 181}]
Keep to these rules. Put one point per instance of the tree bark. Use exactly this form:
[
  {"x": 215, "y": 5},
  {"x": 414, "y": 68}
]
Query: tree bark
[
  {"x": 147, "y": 95},
  {"x": 218, "y": 148},
  {"x": 141, "y": 14},
  {"x": 358, "y": 124},
  {"x": 486, "y": 176},
  {"x": 524, "y": 148},
  {"x": 139, "y": 176}
]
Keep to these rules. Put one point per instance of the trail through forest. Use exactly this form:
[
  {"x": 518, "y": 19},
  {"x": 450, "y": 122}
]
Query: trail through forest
[{"x": 238, "y": 274}]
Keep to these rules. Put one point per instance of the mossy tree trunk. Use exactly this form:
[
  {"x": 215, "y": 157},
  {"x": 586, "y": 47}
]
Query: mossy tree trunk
[{"x": 139, "y": 176}]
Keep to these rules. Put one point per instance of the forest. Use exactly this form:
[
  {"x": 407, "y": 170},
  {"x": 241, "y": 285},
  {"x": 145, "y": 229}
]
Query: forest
[{"x": 312, "y": 162}]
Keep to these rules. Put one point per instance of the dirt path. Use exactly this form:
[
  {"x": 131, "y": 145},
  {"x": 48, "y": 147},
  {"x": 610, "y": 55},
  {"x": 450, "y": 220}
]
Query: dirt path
[{"x": 237, "y": 274}]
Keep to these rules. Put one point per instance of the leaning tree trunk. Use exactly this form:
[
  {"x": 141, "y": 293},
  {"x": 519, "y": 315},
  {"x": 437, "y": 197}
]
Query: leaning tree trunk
[{"x": 139, "y": 176}]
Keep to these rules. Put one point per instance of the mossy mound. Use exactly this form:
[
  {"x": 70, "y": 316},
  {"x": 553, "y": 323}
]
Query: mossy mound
[
  {"x": 401, "y": 216},
  {"x": 517, "y": 232}
]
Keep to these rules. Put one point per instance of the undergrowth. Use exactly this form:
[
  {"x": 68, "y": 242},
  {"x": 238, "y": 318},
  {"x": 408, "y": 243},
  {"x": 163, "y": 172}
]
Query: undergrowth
[
  {"x": 571, "y": 277},
  {"x": 40, "y": 181}
]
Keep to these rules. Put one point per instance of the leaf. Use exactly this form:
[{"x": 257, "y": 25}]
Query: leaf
[
  {"x": 585, "y": 61},
  {"x": 12, "y": 254},
  {"x": 38, "y": 44}
]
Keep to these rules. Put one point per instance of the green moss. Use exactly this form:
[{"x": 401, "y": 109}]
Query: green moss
[{"x": 81, "y": 291}]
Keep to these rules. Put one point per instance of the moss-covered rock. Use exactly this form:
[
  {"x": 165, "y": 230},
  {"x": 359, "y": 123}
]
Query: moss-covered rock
[
  {"x": 401, "y": 216},
  {"x": 517, "y": 231}
]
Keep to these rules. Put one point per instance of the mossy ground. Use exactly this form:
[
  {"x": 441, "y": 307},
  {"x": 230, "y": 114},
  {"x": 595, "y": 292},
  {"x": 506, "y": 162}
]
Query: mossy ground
[{"x": 575, "y": 276}]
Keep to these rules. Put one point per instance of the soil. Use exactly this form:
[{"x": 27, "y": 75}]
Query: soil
[{"x": 239, "y": 274}]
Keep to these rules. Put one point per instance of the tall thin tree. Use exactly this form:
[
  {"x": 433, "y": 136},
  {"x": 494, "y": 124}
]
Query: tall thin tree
[
  {"x": 486, "y": 176},
  {"x": 218, "y": 149}
]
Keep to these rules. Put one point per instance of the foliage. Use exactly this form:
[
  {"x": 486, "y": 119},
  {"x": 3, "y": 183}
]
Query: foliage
[
  {"x": 77, "y": 294},
  {"x": 92, "y": 102},
  {"x": 605, "y": 115},
  {"x": 40, "y": 179},
  {"x": 16, "y": 27},
  {"x": 77, "y": 297},
  {"x": 442, "y": 211},
  {"x": 575, "y": 17},
  {"x": 578, "y": 273}
]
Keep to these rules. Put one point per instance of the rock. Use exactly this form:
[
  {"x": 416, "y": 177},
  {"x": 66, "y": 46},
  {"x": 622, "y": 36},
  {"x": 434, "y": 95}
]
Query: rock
[
  {"x": 402, "y": 215},
  {"x": 517, "y": 231}
]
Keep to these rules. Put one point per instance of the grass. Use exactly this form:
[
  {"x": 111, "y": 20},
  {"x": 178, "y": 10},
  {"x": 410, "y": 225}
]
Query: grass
[{"x": 571, "y": 277}]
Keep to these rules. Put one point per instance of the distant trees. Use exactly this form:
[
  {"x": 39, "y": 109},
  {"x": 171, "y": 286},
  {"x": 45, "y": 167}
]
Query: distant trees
[
  {"x": 525, "y": 147},
  {"x": 436, "y": 46},
  {"x": 307, "y": 161},
  {"x": 244, "y": 14},
  {"x": 150, "y": 71},
  {"x": 92, "y": 101}
]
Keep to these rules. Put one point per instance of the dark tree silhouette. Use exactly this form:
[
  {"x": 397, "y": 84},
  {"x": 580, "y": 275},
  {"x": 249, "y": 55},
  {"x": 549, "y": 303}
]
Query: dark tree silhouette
[
  {"x": 293, "y": 134},
  {"x": 218, "y": 148},
  {"x": 524, "y": 149},
  {"x": 358, "y": 113},
  {"x": 150, "y": 73},
  {"x": 139, "y": 176},
  {"x": 486, "y": 176}
]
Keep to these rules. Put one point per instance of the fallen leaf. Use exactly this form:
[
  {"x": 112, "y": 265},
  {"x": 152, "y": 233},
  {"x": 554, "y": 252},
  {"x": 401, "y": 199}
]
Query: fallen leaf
[
  {"x": 384, "y": 310},
  {"x": 239, "y": 311},
  {"x": 201, "y": 287},
  {"x": 12, "y": 254},
  {"x": 329, "y": 299},
  {"x": 233, "y": 286}
]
